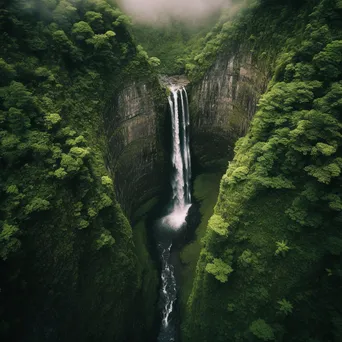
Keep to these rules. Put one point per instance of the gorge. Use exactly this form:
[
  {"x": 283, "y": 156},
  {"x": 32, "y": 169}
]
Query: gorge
[
  {"x": 137, "y": 205},
  {"x": 180, "y": 204}
]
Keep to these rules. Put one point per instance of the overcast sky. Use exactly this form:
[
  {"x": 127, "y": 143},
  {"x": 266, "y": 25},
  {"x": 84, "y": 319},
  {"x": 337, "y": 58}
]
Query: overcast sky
[{"x": 156, "y": 11}]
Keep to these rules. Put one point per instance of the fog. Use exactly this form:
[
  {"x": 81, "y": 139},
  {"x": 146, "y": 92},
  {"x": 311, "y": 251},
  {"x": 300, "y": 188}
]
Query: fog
[{"x": 161, "y": 11}]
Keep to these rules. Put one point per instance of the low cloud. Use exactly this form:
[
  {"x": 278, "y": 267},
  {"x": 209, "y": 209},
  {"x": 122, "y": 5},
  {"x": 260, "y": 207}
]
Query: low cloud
[{"x": 162, "y": 11}]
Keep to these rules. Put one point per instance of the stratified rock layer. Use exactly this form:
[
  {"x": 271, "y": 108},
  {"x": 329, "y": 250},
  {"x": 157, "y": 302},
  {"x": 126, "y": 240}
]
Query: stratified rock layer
[
  {"x": 136, "y": 154},
  {"x": 222, "y": 105}
]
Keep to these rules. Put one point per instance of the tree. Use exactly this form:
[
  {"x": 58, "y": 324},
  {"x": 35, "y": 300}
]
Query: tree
[
  {"x": 83, "y": 224},
  {"x": 52, "y": 119},
  {"x": 95, "y": 20},
  {"x": 282, "y": 248},
  {"x": 324, "y": 149},
  {"x": 37, "y": 204},
  {"x": 65, "y": 14},
  {"x": 219, "y": 269},
  {"x": 328, "y": 61},
  {"x": 122, "y": 20},
  {"x": 82, "y": 31},
  {"x": 71, "y": 164},
  {"x": 105, "y": 240},
  {"x": 285, "y": 307},
  {"x": 18, "y": 122},
  {"x": 218, "y": 225},
  {"x": 60, "y": 173},
  {"x": 154, "y": 62},
  {"x": 247, "y": 258},
  {"x": 102, "y": 41},
  {"x": 64, "y": 45},
  {"x": 7, "y": 72},
  {"x": 105, "y": 201},
  {"x": 16, "y": 95},
  {"x": 324, "y": 173},
  {"x": 262, "y": 330},
  {"x": 8, "y": 240},
  {"x": 107, "y": 182}
]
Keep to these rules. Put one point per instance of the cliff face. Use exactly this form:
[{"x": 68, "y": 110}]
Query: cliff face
[
  {"x": 222, "y": 105},
  {"x": 135, "y": 149},
  {"x": 263, "y": 270},
  {"x": 66, "y": 248},
  {"x": 134, "y": 123}
]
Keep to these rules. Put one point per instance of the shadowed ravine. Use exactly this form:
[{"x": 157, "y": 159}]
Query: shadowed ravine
[{"x": 168, "y": 227}]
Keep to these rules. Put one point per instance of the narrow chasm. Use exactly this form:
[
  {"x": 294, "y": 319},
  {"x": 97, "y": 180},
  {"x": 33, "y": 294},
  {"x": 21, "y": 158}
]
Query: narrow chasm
[
  {"x": 171, "y": 222},
  {"x": 140, "y": 206}
]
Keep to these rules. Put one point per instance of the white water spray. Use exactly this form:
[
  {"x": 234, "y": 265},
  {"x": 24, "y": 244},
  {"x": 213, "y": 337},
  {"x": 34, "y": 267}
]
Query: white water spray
[
  {"x": 179, "y": 207},
  {"x": 181, "y": 190},
  {"x": 168, "y": 286}
]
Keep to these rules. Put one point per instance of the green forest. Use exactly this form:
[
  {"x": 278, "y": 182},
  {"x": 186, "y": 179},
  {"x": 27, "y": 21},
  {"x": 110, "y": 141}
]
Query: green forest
[
  {"x": 66, "y": 246},
  {"x": 85, "y": 167}
]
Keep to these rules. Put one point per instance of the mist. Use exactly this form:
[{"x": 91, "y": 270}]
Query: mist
[{"x": 162, "y": 11}]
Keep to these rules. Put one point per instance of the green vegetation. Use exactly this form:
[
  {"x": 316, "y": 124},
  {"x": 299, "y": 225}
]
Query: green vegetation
[
  {"x": 167, "y": 44},
  {"x": 218, "y": 225},
  {"x": 282, "y": 248},
  {"x": 262, "y": 330},
  {"x": 253, "y": 29},
  {"x": 206, "y": 187},
  {"x": 173, "y": 43},
  {"x": 265, "y": 264},
  {"x": 270, "y": 265},
  {"x": 285, "y": 307},
  {"x": 219, "y": 269},
  {"x": 68, "y": 264}
]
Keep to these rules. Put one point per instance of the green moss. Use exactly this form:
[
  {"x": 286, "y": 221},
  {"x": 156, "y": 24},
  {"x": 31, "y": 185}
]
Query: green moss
[
  {"x": 66, "y": 247},
  {"x": 172, "y": 43},
  {"x": 218, "y": 225},
  {"x": 206, "y": 188},
  {"x": 280, "y": 198},
  {"x": 144, "y": 209}
]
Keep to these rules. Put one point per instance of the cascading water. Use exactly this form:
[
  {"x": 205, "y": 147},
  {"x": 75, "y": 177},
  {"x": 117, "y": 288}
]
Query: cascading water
[
  {"x": 181, "y": 192},
  {"x": 179, "y": 207}
]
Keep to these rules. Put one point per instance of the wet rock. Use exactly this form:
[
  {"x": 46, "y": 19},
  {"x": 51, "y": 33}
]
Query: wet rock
[
  {"x": 135, "y": 151},
  {"x": 222, "y": 106}
]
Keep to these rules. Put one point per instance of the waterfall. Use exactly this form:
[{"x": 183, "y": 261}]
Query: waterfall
[
  {"x": 170, "y": 225},
  {"x": 181, "y": 160}
]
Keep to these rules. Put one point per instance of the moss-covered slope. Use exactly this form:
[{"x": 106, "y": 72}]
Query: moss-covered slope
[
  {"x": 231, "y": 71},
  {"x": 68, "y": 265},
  {"x": 270, "y": 267}
]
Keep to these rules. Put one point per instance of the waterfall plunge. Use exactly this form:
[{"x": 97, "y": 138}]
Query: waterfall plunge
[
  {"x": 181, "y": 180},
  {"x": 181, "y": 202}
]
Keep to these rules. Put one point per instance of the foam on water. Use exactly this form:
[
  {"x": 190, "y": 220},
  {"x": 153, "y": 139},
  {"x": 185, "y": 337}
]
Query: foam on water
[
  {"x": 179, "y": 205},
  {"x": 176, "y": 218},
  {"x": 181, "y": 180}
]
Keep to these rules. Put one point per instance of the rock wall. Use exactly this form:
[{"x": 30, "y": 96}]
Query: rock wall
[
  {"x": 136, "y": 156},
  {"x": 222, "y": 105}
]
